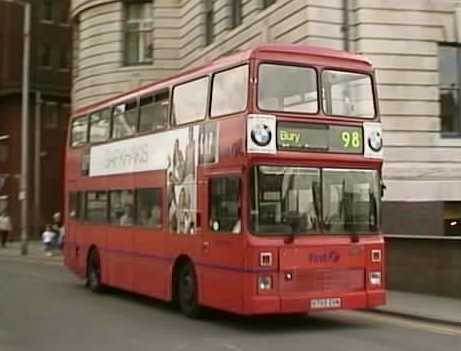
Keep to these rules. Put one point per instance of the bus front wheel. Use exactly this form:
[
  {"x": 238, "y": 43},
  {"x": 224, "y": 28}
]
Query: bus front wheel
[
  {"x": 188, "y": 291},
  {"x": 93, "y": 272}
]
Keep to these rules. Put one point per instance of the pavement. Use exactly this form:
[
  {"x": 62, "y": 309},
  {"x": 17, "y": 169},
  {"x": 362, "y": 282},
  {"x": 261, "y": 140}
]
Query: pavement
[
  {"x": 399, "y": 303},
  {"x": 35, "y": 253},
  {"x": 424, "y": 307}
]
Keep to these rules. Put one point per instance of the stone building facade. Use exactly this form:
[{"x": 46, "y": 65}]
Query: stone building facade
[{"x": 414, "y": 45}]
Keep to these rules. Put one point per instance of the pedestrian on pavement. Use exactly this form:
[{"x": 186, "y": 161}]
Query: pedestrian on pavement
[
  {"x": 57, "y": 228},
  {"x": 47, "y": 239},
  {"x": 61, "y": 238},
  {"x": 5, "y": 227}
]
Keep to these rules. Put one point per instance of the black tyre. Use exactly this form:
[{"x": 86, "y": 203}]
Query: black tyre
[
  {"x": 93, "y": 272},
  {"x": 188, "y": 292}
]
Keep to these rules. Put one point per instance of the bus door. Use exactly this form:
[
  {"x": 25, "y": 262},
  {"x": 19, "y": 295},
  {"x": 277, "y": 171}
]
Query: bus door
[
  {"x": 221, "y": 253},
  {"x": 75, "y": 211}
]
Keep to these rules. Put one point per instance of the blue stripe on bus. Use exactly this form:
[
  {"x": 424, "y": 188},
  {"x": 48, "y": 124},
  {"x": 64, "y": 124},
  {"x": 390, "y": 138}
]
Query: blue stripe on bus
[{"x": 171, "y": 259}]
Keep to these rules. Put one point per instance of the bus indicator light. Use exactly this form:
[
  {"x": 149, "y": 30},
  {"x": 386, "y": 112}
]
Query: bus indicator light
[
  {"x": 375, "y": 255},
  {"x": 265, "y": 259}
]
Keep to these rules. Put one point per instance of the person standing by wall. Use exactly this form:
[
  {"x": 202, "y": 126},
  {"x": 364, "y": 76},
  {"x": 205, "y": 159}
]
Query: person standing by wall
[
  {"x": 5, "y": 227},
  {"x": 57, "y": 228}
]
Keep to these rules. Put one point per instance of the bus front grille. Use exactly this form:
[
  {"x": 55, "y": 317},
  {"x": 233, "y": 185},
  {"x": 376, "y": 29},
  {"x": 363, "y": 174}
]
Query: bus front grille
[{"x": 325, "y": 280}]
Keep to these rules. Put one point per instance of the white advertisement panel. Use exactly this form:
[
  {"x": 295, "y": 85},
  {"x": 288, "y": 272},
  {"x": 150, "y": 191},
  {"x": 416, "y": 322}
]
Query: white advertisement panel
[
  {"x": 175, "y": 152},
  {"x": 146, "y": 153}
]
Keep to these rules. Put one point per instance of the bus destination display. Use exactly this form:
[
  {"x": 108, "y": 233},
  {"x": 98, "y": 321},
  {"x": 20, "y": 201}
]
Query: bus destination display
[{"x": 319, "y": 137}]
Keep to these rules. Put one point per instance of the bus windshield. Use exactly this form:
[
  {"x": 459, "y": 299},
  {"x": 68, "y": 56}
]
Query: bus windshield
[{"x": 301, "y": 200}]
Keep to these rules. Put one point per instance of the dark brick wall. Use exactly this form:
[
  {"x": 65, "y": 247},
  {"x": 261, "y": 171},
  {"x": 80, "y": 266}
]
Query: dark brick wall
[
  {"x": 56, "y": 34},
  {"x": 51, "y": 160},
  {"x": 413, "y": 218},
  {"x": 54, "y": 85},
  {"x": 431, "y": 266}
]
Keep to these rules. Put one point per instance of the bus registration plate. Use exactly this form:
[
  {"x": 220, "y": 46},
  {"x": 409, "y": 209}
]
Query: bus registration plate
[{"x": 317, "y": 304}]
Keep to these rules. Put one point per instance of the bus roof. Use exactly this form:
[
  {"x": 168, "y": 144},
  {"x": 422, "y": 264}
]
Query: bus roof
[{"x": 227, "y": 60}]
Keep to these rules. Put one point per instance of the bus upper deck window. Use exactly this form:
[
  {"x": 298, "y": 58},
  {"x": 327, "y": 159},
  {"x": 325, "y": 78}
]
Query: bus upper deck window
[
  {"x": 154, "y": 112},
  {"x": 287, "y": 88},
  {"x": 99, "y": 126},
  {"x": 190, "y": 101},
  {"x": 230, "y": 91},
  {"x": 79, "y": 131},
  {"x": 347, "y": 94},
  {"x": 125, "y": 120}
]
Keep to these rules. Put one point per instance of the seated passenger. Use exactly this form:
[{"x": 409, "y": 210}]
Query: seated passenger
[
  {"x": 156, "y": 216},
  {"x": 127, "y": 217},
  {"x": 237, "y": 228},
  {"x": 144, "y": 217}
]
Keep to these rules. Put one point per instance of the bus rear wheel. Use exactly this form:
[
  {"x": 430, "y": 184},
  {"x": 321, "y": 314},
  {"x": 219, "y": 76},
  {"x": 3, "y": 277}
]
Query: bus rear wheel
[
  {"x": 93, "y": 272},
  {"x": 188, "y": 292}
]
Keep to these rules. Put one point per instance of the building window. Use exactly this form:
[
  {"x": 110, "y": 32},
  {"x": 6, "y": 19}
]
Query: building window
[
  {"x": 3, "y": 152},
  {"x": 45, "y": 55},
  {"x": 64, "y": 13},
  {"x": 50, "y": 115},
  {"x": 47, "y": 10},
  {"x": 267, "y": 3},
  {"x": 138, "y": 33},
  {"x": 236, "y": 13},
  {"x": 450, "y": 93},
  {"x": 209, "y": 30},
  {"x": 64, "y": 59}
]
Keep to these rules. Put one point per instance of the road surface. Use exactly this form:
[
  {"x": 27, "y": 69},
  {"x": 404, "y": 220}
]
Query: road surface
[{"x": 44, "y": 307}]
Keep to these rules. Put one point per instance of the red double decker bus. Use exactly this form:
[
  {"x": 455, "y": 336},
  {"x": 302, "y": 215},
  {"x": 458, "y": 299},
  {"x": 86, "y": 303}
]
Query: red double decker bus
[{"x": 251, "y": 184}]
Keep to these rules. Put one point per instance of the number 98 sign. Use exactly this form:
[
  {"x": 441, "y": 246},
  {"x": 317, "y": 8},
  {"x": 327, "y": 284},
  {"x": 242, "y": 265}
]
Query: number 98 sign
[{"x": 351, "y": 140}]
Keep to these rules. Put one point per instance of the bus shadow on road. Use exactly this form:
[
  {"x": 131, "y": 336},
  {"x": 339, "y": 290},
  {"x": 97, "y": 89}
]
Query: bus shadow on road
[{"x": 261, "y": 324}]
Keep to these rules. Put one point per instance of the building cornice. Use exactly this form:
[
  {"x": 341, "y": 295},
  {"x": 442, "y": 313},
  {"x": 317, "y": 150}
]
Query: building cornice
[{"x": 78, "y": 6}]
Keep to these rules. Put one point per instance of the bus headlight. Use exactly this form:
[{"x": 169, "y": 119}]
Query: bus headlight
[
  {"x": 265, "y": 282},
  {"x": 261, "y": 134},
  {"x": 375, "y": 278}
]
